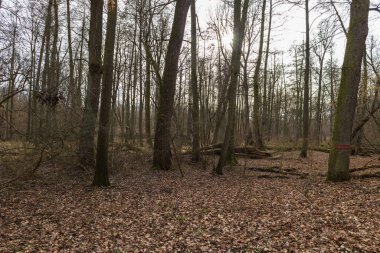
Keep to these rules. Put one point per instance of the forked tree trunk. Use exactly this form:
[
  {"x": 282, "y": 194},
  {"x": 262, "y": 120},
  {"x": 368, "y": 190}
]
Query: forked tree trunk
[
  {"x": 162, "y": 139},
  {"x": 339, "y": 159}
]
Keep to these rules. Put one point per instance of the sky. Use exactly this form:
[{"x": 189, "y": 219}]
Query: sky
[{"x": 293, "y": 29}]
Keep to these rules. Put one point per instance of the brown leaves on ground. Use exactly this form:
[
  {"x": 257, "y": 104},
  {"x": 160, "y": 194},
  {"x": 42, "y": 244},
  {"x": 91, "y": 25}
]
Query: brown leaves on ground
[{"x": 151, "y": 211}]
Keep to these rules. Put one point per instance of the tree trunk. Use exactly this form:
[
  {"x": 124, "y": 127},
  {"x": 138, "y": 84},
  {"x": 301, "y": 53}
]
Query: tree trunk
[
  {"x": 265, "y": 101},
  {"x": 72, "y": 90},
  {"x": 305, "y": 134},
  {"x": 148, "y": 83},
  {"x": 240, "y": 18},
  {"x": 340, "y": 151},
  {"x": 87, "y": 134},
  {"x": 162, "y": 139},
  {"x": 195, "y": 155},
  {"x": 256, "y": 106},
  {"x": 101, "y": 169}
]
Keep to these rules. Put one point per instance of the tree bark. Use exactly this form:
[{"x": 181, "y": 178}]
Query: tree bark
[
  {"x": 195, "y": 155},
  {"x": 338, "y": 167},
  {"x": 162, "y": 139},
  {"x": 256, "y": 106},
  {"x": 101, "y": 168},
  {"x": 87, "y": 133},
  {"x": 240, "y": 18},
  {"x": 305, "y": 133}
]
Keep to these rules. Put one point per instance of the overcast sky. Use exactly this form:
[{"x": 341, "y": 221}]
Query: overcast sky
[{"x": 293, "y": 29}]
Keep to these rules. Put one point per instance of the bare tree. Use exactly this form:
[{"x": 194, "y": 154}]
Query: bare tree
[
  {"x": 240, "y": 18},
  {"x": 162, "y": 139}
]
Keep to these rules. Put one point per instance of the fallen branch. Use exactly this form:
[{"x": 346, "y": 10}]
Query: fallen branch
[
  {"x": 246, "y": 151},
  {"x": 278, "y": 170},
  {"x": 375, "y": 166},
  {"x": 370, "y": 175}
]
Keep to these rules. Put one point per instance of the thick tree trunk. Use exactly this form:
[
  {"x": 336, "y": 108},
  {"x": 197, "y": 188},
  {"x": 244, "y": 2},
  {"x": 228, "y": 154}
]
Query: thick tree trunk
[
  {"x": 340, "y": 151},
  {"x": 87, "y": 133},
  {"x": 101, "y": 169},
  {"x": 162, "y": 139}
]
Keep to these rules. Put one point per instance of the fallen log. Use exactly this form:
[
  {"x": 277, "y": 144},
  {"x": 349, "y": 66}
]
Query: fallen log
[
  {"x": 278, "y": 170},
  {"x": 246, "y": 151}
]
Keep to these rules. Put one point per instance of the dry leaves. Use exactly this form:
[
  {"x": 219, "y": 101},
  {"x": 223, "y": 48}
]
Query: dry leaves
[{"x": 150, "y": 211}]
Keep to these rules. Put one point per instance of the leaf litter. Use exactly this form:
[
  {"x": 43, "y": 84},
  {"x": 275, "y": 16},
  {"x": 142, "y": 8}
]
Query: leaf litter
[{"x": 152, "y": 211}]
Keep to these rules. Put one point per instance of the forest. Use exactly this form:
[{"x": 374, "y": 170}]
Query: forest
[{"x": 189, "y": 126}]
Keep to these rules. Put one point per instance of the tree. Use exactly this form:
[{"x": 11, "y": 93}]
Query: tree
[
  {"x": 101, "y": 168},
  {"x": 72, "y": 90},
  {"x": 240, "y": 18},
  {"x": 305, "y": 117},
  {"x": 338, "y": 167},
  {"x": 256, "y": 117},
  {"x": 265, "y": 101},
  {"x": 325, "y": 36},
  {"x": 87, "y": 132},
  {"x": 162, "y": 138},
  {"x": 194, "y": 84}
]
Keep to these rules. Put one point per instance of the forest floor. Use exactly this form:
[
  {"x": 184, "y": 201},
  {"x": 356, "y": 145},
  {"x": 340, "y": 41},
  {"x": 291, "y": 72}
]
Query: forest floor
[{"x": 290, "y": 209}]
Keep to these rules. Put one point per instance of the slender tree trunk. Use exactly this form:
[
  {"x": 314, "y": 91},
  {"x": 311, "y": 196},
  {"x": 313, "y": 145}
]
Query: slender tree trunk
[
  {"x": 71, "y": 95},
  {"x": 340, "y": 151},
  {"x": 318, "y": 117},
  {"x": 194, "y": 84},
  {"x": 256, "y": 106},
  {"x": 265, "y": 101},
  {"x": 11, "y": 87},
  {"x": 141, "y": 100},
  {"x": 248, "y": 132},
  {"x": 148, "y": 83},
  {"x": 362, "y": 108},
  {"x": 305, "y": 134},
  {"x": 240, "y": 18}
]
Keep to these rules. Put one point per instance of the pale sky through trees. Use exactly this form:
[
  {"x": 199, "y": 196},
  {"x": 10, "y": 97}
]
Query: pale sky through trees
[{"x": 293, "y": 25}]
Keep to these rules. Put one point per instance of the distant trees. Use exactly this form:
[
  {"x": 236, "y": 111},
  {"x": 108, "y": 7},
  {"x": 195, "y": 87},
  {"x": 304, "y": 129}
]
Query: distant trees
[
  {"x": 167, "y": 87},
  {"x": 338, "y": 167}
]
